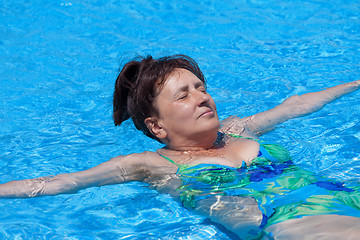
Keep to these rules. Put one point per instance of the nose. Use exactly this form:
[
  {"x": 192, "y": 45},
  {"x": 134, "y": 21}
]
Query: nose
[{"x": 202, "y": 97}]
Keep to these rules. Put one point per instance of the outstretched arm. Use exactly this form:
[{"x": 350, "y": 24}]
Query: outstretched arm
[
  {"x": 292, "y": 107},
  {"x": 117, "y": 170}
]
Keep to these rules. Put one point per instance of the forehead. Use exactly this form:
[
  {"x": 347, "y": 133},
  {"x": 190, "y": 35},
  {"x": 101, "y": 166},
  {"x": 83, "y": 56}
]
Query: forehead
[
  {"x": 178, "y": 79},
  {"x": 180, "y": 76}
]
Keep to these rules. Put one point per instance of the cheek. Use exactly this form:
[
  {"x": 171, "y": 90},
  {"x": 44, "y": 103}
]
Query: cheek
[
  {"x": 212, "y": 103},
  {"x": 175, "y": 112},
  {"x": 182, "y": 111}
]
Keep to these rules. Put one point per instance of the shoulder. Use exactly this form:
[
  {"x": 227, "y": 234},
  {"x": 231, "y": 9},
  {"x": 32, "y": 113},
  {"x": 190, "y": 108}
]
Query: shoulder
[
  {"x": 142, "y": 166},
  {"x": 237, "y": 126},
  {"x": 135, "y": 158},
  {"x": 147, "y": 160}
]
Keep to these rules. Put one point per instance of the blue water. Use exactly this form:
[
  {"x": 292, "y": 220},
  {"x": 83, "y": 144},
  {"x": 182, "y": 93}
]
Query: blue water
[{"x": 59, "y": 61}]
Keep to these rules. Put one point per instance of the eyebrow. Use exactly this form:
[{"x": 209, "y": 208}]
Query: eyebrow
[{"x": 199, "y": 84}]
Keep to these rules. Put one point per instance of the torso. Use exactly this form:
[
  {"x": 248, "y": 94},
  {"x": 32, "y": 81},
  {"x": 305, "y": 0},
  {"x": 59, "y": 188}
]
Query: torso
[
  {"x": 161, "y": 174},
  {"x": 231, "y": 152}
]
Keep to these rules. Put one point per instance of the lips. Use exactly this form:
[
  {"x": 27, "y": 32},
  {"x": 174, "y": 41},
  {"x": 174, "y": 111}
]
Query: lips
[{"x": 208, "y": 112}]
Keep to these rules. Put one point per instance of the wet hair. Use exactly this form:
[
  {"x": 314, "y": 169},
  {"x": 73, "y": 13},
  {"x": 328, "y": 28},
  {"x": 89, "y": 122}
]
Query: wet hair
[{"x": 139, "y": 83}]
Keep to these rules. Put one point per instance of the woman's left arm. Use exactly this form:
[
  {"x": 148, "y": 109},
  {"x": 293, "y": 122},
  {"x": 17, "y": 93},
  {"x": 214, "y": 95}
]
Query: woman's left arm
[{"x": 292, "y": 107}]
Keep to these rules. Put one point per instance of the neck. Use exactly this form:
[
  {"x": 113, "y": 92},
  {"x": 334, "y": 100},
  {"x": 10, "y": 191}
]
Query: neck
[
  {"x": 204, "y": 144},
  {"x": 189, "y": 148}
]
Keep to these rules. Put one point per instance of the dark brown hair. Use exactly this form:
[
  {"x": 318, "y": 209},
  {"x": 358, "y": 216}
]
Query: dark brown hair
[{"x": 137, "y": 84}]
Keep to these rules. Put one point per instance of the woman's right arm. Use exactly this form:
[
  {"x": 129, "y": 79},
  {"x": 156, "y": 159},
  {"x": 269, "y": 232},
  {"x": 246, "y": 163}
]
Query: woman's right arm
[
  {"x": 121, "y": 169},
  {"x": 292, "y": 107}
]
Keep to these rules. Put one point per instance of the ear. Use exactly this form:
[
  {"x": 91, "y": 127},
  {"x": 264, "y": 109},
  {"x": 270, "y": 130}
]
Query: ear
[{"x": 155, "y": 127}]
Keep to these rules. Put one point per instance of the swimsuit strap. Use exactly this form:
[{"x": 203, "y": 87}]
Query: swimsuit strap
[
  {"x": 239, "y": 136},
  {"x": 170, "y": 160}
]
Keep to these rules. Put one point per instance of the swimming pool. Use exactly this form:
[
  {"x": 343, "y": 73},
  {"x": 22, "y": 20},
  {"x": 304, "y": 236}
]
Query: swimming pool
[{"x": 59, "y": 64}]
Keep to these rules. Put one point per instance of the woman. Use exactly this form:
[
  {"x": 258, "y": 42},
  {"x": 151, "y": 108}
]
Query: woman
[{"x": 166, "y": 99}]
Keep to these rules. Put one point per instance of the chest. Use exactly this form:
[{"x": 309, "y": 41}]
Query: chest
[{"x": 233, "y": 154}]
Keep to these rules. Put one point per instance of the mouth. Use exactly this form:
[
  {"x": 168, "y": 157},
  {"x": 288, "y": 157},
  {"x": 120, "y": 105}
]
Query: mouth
[{"x": 207, "y": 113}]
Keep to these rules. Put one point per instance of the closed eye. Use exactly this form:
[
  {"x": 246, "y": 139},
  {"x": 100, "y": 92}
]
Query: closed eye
[
  {"x": 182, "y": 96},
  {"x": 202, "y": 89}
]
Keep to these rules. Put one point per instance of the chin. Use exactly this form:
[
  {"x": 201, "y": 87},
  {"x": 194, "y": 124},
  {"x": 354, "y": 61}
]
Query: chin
[
  {"x": 212, "y": 132},
  {"x": 216, "y": 126}
]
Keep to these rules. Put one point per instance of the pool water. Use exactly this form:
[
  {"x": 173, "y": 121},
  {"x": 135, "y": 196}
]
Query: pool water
[{"x": 59, "y": 61}]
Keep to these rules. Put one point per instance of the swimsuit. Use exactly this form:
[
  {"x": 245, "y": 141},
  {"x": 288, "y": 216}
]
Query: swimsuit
[{"x": 282, "y": 190}]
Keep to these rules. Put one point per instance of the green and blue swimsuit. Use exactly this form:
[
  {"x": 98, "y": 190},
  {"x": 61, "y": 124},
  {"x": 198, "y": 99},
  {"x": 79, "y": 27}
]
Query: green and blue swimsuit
[{"x": 283, "y": 190}]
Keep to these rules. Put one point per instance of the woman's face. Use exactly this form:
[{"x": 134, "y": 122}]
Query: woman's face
[{"x": 187, "y": 113}]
